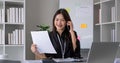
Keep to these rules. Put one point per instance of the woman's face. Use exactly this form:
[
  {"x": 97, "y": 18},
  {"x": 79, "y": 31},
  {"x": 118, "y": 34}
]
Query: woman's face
[{"x": 59, "y": 22}]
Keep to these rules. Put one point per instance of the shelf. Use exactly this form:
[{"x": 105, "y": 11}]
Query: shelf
[
  {"x": 97, "y": 3},
  {"x": 97, "y": 24},
  {"x": 16, "y": 53},
  {"x": 1, "y": 4},
  {"x": 106, "y": 20},
  {"x": 14, "y": 45},
  {"x": 104, "y": 1},
  {"x": 2, "y": 23},
  {"x": 118, "y": 21},
  {"x": 108, "y": 11},
  {"x": 108, "y": 23},
  {"x": 118, "y": 10},
  {"x": 118, "y": 32},
  {"x": 20, "y": 1},
  {"x": 12, "y": 29},
  {"x": 96, "y": 14},
  {"x": 14, "y": 23},
  {"x": 108, "y": 33},
  {"x": 1, "y": 49},
  {"x": 97, "y": 34},
  {"x": 1, "y": 45},
  {"x": 9, "y": 3}
]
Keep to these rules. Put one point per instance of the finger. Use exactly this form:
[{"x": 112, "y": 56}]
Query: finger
[
  {"x": 33, "y": 44},
  {"x": 68, "y": 23}
]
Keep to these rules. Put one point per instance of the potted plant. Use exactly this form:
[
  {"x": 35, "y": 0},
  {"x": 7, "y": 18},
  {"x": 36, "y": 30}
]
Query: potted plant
[{"x": 43, "y": 27}]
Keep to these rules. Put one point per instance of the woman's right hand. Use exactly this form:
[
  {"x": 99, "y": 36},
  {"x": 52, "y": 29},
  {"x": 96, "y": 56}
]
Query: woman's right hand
[{"x": 34, "y": 49}]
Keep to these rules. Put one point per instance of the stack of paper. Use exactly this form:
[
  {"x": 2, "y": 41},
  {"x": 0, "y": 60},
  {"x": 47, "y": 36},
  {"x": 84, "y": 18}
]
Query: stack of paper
[{"x": 42, "y": 40}]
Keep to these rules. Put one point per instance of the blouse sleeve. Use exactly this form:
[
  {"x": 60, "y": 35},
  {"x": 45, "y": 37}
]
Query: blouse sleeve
[{"x": 77, "y": 52}]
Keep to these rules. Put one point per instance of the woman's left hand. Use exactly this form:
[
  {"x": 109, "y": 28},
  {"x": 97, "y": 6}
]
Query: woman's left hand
[{"x": 73, "y": 37}]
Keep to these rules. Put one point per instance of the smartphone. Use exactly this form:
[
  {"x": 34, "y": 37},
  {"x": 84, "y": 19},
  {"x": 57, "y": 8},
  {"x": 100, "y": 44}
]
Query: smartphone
[{"x": 68, "y": 27}]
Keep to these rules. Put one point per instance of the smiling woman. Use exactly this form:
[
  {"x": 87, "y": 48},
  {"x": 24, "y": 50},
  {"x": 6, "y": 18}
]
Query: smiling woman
[{"x": 63, "y": 40}]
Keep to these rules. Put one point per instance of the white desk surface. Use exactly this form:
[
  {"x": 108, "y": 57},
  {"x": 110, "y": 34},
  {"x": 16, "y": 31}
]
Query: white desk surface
[
  {"x": 39, "y": 61},
  {"x": 32, "y": 61}
]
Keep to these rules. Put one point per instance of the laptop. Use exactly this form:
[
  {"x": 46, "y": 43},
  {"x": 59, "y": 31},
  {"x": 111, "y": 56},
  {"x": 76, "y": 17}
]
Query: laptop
[
  {"x": 103, "y": 52},
  {"x": 100, "y": 52}
]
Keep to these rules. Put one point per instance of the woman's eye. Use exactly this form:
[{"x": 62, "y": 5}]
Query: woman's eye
[
  {"x": 56, "y": 20},
  {"x": 62, "y": 20}
]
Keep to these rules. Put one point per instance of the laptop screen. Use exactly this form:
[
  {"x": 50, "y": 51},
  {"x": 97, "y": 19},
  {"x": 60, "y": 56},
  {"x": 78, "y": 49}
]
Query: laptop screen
[{"x": 103, "y": 52}]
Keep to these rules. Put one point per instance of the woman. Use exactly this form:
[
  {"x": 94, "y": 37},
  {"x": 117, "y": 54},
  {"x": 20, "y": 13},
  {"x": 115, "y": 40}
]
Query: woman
[{"x": 63, "y": 38}]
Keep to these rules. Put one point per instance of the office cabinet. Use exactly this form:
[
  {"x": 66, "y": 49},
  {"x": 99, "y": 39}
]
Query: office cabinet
[
  {"x": 107, "y": 21},
  {"x": 12, "y": 29},
  {"x": 33, "y": 13}
]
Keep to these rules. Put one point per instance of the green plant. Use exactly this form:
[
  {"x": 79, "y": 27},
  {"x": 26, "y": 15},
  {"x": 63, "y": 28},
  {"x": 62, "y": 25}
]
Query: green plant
[{"x": 43, "y": 27}]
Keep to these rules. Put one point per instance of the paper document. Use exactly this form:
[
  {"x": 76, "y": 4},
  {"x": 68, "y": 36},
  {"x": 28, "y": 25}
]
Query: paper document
[
  {"x": 69, "y": 60},
  {"x": 42, "y": 40}
]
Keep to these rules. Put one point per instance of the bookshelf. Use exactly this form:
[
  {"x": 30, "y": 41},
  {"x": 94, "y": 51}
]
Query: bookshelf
[
  {"x": 12, "y": 29},
  {"x": 107, "y": 21}
]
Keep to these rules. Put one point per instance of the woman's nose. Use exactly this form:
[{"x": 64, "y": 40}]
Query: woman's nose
[{"x": 59, "y": 21}]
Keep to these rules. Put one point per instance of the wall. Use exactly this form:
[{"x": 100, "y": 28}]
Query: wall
[
  {"x": 81, "y": 12},
  {"x": 38, "y": 12}
]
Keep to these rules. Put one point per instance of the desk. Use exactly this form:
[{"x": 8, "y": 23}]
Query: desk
[
  {"x": 117, "y": 60},
  {"x": 40, "y": 61}
]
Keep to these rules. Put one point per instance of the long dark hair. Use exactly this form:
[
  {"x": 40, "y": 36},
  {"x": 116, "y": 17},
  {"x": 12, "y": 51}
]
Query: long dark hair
[{"x": 65, "y": 15}]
